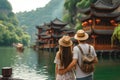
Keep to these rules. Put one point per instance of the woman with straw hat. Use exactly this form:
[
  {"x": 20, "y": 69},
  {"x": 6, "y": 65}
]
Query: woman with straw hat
[{"x": 63, "y": 58}]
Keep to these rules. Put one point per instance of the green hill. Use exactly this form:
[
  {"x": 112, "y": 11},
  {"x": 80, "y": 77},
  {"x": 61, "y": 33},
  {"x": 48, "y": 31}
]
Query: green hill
[
  {"x": 10, "y": 32},
  {"x": 41, "y": 15}
]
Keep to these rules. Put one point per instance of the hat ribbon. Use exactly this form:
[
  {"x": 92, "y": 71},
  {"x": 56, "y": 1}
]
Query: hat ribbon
[{"x": 81, "y": 34}]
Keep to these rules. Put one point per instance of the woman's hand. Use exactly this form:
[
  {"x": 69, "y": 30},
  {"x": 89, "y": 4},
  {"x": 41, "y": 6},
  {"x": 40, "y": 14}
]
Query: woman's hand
[{"x": 62, "y": 71}]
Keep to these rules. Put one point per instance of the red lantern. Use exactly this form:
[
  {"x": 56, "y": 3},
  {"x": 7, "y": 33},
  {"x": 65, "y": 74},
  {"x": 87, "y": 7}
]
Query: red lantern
[
  {"x": 115, "y": 24},
  {"x": 86, "y": 23},
  {"x": 98, "y": 21},
  {"x": 50, "y": 31},
  {"x": 112, "y": 21},
  {"x": 93, "y": 36},
  {"x": 90, "y": 21},
  {"x": 83, "y": 24}
]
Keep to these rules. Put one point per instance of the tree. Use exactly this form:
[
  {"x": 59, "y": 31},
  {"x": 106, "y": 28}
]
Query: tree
[
  {"x": 10, "y": 32},
  {"x": 116, "y": 36},
  {"x": 5, "y": 5},
  {"x": 71, "y": 8}
]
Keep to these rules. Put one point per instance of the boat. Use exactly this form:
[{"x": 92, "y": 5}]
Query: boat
[{"x": 19, "y": 46}]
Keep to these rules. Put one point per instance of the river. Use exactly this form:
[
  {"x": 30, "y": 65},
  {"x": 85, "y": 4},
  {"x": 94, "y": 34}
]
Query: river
[{"x": 32, "y": 65}]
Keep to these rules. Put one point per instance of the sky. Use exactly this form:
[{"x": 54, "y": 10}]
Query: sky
[{"x": 27, "y": 5}]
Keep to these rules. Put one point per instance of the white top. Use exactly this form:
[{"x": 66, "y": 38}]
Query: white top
[
  {"x": 77, "y": 54},
  {"x": 57, "y": 61},
  {"x": 68, "y": 75}
]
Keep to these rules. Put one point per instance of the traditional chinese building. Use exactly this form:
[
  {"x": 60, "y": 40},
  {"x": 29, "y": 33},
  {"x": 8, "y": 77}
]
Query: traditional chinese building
[
  {"x": 99, "y": 22},
  {"x": 49, "y": 34}
]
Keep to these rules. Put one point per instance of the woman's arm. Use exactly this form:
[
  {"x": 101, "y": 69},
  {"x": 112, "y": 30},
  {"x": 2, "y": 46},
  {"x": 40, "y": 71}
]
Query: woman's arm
[
  {"x": 56, "y": 69},
  {"x": 71, "y": 65},
  {"x": 56, "y": 65}
]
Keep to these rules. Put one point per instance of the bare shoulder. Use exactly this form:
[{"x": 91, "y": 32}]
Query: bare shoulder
[{"x": 58, "y": 55}]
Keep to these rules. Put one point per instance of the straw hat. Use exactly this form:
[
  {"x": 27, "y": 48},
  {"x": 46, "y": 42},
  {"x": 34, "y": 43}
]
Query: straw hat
[
  {"x": 65, "y": 41},
  {"x": 81, "y": 35}
]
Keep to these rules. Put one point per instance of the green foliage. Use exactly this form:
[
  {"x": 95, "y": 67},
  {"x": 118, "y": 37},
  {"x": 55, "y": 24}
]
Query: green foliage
[
  {"x": 10, "y": 34},
  {"x": 83, "y": 4},
  {"x": 3, "y": 16},
  {"x": 78, "y": 25},
  {"x": 12, "y": 18},
  {"x": 72, "y": 6},
  {"x": 67, "y": 18},
  {"x": 9, "y": 17},
  {"x": 40, "y": 16},
  {"x": 116, "y": 36},
  {"x": 5, "y": 5},
  {"x": 2, "y": 28},
  {"x": 9, "y": 30}
]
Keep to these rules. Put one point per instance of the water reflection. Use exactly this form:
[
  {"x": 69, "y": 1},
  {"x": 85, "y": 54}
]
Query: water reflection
[
  {"x": 27, "y": 73},
  {"x": 32, "y": 65},
  {"x": 29, "y": 65}
]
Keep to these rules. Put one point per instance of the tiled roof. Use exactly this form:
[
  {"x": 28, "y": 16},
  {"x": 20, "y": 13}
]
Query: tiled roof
[
  {"x": 43, "y": 34},
  {"x": 58, "y": 22},
  {"x": 107, "y": 15},
  {"x": 101, "y": 6},
  {"x": 85, "y": 11},
  {"x": 101, "y": 15}
]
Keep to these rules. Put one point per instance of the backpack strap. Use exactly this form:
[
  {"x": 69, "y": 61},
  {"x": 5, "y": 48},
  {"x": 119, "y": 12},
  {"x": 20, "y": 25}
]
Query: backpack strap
[
  {"x": 89, "y": 50},
  {"x": 78, "y": 54},
  {"x": 82, "y": 50}
]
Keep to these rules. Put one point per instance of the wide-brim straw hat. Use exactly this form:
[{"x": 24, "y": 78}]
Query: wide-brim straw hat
[
  {"x": 65, "y": 41},
  {"x": 81, "y": 35}
]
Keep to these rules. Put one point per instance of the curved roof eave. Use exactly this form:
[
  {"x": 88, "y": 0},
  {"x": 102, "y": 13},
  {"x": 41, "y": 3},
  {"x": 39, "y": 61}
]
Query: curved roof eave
[
  {"x": 107, "y": 15},
  {"x": 85, "y": 11},
  {"x": 101, "y": 5},
  {"x": 82, "y": 19},
  {"x": 56, "y": 21}
]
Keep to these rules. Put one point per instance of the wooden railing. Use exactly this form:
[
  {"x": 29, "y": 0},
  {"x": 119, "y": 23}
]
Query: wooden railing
[
  {"x": 104, "y": 47},
  {"x": 98, "y": 27},
  {"x": 104, "y": 27},
  {"x": 47, "y": 46}
]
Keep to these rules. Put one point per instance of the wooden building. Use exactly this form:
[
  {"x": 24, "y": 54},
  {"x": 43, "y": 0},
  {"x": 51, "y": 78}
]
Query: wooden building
[
  {"x": 99, "y": 21},
  {"x": 49, "y": 34}
]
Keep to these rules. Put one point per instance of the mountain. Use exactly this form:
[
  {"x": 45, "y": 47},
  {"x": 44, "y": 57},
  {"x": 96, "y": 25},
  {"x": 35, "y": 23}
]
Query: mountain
[
  {"x": 54, "y": 9},
  {"x": 10, "y": 32}
]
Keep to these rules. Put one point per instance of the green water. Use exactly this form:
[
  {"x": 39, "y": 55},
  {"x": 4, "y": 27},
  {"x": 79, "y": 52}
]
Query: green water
[
  {"x": 107, "y": 71},
  {"x": 32, "y": 65},
  {"x": 29, "y": 65}
]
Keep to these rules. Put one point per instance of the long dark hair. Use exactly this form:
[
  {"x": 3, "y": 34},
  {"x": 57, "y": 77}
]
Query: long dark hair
[{"x": 65, "y": 56}]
